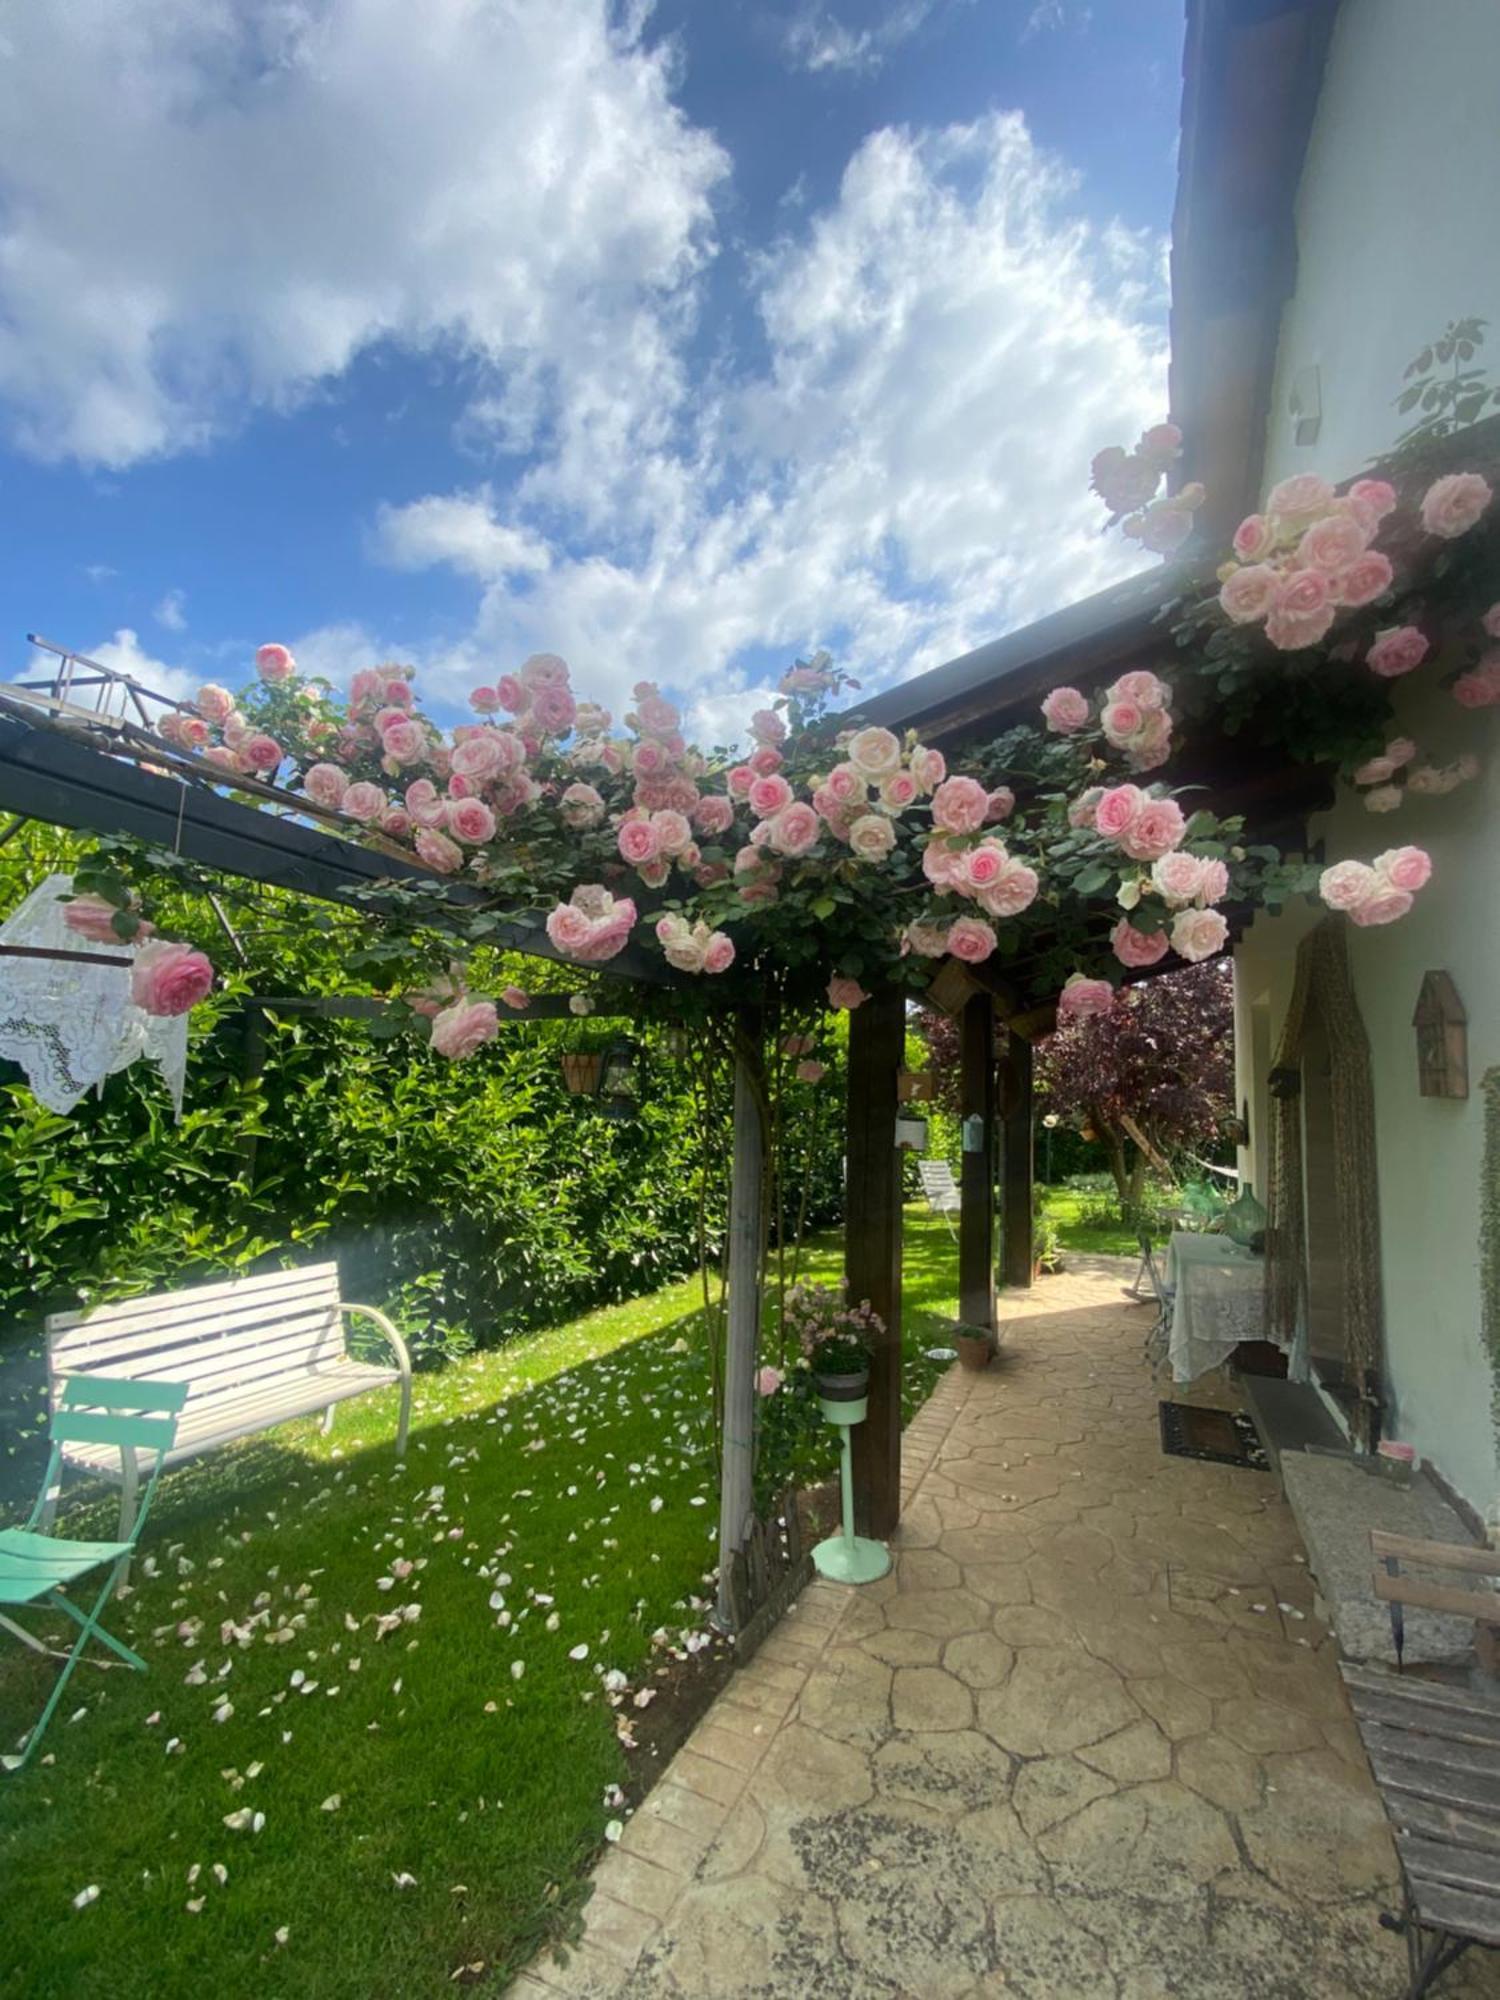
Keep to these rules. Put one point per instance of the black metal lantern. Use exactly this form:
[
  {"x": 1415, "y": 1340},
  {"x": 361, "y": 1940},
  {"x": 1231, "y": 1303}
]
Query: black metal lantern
[{"x": 617, "y": 1090}]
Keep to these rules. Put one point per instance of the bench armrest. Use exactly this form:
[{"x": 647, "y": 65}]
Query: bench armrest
[{"x": 393, "y": 1339}]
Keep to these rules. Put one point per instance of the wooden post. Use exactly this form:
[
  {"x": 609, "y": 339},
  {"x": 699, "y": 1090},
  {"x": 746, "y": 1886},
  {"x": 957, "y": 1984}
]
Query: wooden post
[
  {"x": 976, "y": 1219},
  {"x": 1016, "y": 1180},
  {"x": 872, "y": 1249},
  {"x": 742, "y": 1333}
]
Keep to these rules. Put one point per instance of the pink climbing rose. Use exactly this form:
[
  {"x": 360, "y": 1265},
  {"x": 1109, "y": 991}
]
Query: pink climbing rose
[
  {"x": 1396, "y": 650},
  {"x": 274, "y": 663},
  {"x": 1247, "y": 595},
  {"x": 1118, "y": 809},
  {"x": 1198, "y": 934},
  {"x": 1451, "y": 505},
  {"x": 1303, "y": 610},
  {"x": 169, "y": 978},
  {"x": 1137, "y": 948},
  {"x": 1408, "y": 868},
  {"x": 960, "y": 805},
  {"x": 846, "y": 994},
  {"x": 1082, "y": 997},
  {"x": 971, "y": 939},
  {"x": 1065, "y": 710},
  {"x": 464, "y": 1027}
]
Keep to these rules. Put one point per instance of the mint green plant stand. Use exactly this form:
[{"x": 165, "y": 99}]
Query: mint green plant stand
[{"x": 847, "y": 1557}]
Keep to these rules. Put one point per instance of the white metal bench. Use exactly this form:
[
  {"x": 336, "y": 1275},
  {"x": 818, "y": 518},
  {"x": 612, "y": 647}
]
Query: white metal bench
[
  {"x": 941, "y": 1190},
  {"x": 253, "y": 1352}
]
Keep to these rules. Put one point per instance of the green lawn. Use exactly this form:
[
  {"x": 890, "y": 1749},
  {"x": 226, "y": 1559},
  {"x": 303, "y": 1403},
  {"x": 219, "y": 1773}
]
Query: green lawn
[
  {"x": 433, "y": 1792},
  {"x": 1062, "y": 1206}
]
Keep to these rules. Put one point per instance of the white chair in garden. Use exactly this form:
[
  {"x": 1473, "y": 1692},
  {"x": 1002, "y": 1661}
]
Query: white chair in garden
[{"x": 941, "y": 1190}]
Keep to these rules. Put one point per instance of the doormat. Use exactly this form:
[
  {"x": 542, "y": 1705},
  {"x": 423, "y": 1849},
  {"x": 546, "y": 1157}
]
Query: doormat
[{"x": 1222, "y": 1437}]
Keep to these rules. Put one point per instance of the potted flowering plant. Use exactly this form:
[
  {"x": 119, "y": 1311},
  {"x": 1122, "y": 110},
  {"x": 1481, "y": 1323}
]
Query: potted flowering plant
[{"x": 835, "y": 1339}]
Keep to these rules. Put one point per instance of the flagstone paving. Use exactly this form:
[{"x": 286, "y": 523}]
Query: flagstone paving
[{"x": 1088, "y": 1739}]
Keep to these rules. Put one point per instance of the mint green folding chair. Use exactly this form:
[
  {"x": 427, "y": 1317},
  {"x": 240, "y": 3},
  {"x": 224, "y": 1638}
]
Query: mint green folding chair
[{"x": 35, "y": 1565}]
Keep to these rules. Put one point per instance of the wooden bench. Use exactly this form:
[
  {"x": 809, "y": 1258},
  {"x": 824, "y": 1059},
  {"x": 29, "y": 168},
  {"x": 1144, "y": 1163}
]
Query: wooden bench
[
  {"x": 253, "y": 1352},
  {"x": 941, "y": 1190},
  {"x": 1434, "y": 1752}
]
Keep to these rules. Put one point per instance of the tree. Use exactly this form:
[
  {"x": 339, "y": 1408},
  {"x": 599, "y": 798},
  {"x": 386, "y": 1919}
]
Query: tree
[{"x": 1152, "y": 1078}]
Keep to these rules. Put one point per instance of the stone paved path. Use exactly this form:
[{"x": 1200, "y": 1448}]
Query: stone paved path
[{"x": 1087, "y": 1740}]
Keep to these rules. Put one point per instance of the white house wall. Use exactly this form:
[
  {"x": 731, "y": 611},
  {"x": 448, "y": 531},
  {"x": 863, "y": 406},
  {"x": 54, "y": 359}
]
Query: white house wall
[{"x": 1398, "y": 219}]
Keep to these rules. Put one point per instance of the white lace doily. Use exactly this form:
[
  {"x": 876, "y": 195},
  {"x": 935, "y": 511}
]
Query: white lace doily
[{"x": 70, "y": 1026}]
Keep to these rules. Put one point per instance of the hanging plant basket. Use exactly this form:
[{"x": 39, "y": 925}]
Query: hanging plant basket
[
  {"x": 580, "y": 1070},
  {"x": 915, "y": 1086}
]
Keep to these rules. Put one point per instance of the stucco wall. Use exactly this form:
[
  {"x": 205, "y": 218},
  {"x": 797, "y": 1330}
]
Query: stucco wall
[
  {"x": 1398, "y": 220},
  {"x": 1430, "y": 1150}
]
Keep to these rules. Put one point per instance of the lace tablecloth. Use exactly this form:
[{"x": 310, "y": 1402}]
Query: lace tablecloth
[
  {"x": 1219, "y": 1301},
  {"x": 71, "y": 1025}
]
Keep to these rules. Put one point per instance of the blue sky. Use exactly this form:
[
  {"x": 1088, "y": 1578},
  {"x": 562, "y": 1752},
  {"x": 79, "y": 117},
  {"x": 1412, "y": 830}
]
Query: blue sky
[{"x": 677, "y": 340}]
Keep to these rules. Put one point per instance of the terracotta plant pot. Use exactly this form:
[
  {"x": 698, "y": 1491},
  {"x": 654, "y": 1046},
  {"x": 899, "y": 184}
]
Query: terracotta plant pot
[
  {"x": 975, "y": 1351},
  {"x": 581, "y": 1072}
]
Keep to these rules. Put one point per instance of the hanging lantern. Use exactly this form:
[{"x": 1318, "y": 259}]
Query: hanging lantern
[
  {"x": 911, "y": 1132},
  {"x": 617, "y": 1089},
  {"x": 581, "y": 1070}
]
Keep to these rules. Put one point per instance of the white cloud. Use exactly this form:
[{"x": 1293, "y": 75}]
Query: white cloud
[
  {"x": 170, "y": 611},
  {"x": 460, "y": 529},
  {"x": 817, "y": 38},
  {"x": 287, "y": 186},
  {"x": 949, "y": 343}
]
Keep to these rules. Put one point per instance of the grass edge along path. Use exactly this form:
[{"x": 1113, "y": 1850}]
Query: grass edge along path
[{"x": 376, "y": 1745}]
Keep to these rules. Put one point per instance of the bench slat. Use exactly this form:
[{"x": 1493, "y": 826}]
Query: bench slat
[
  {"x": 1481, "y": 1605},
  {"x": 106, "y": 1336},
  {"x": 1377, "y": 1680},
  {"x": 1436, "y": 1555},
  {"x": 1459, "y": 1867},
  {"x": 1426, "y": 1780},
  {"x": 1448, "y": 1825},
  {"x": 209, "y": 1354},
  {"x": 1458, "y": 1910},
  {"x": 1481, "y": 1759},
  {"x": 1427, "y": 1719},
  {"x": 194, "y": 1298}
]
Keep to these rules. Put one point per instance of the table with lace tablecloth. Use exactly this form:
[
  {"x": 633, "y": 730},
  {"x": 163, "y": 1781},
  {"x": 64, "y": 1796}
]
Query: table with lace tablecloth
[{"x": 1218, "y": 1301}]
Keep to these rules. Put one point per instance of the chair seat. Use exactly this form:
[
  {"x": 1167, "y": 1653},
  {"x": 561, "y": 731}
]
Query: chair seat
[
  {"x": 32, "y": 1565},
  {"x": 242, "y": 1408}
]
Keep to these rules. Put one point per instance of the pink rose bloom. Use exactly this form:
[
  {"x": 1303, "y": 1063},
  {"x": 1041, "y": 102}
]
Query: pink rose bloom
[
  {"x": 811, "y": 1072},
  {"x": 423, "y": 803},
  {"x": 396, "y": 822},
  {"x": 261, "y": 753},
  {"x": 1163, "y": 527},
  {"x": 769, "y": 795},
  {"x": 1215, "y": 885},
  {"x": 930, "y": 767},
  {"x": 980, "y": 867},
  {"x": 638, "y": 842},
  {"x": 874, "y": 753},
  {"x": 366, "y": 685},
  {"x": 942, "y": 863},
  {"x": 1002, "y": 804},
  {"x": 768, "y": 1381},
  {"x": 1375, "y": 771},
  {"x": 92, "y": 918},
  {"x": 438, "y": 851},
  {"x": 1332, "y": 544},
  {"x": 214, "y": 704},
  {"x": 971, "y": 940},
  {"x": 1177, "y": 877},
  {"x": 580, "y": 807},
  {"x": 1014, "y": 891},
  {"x": 480, "y": 756},
  {"x": 1346, "y": 884},
  {"x": 1065, "y": 710},
  {"x": 1117, "y": 810},
  {"x": 713, "y": 814},
  {"x": 1400, "y": 750},
  {"x": 1364, "y": 580},
  {"x": 1254, "y": 538},
  {"x": 1301, "y": 498},
  {"x": 1249, "y": 595},
  {"x": 1396, "y": 650},
  {"x": 1157, "y": 829},
  {"x": 1452, "y": 505},
  {"x": 1479, "y": 688},
  {"x": 1198, "y": 934},
  {"x": 797, "y": 1045},
  {"x": 169, "y": 978},
  {"x": 766, "y": 726},
  {"x": 718, "y": 953},
  {"x": 1372, "y": 500},
  {"x": 1083, "y": 997},
  {"x": 364, "y": 801},
  {"x": 846, "y": 994},
  {"x": 795, "y": 830},
  {"x": 960, "y": 805},
  {"x": 1384, "y": 799},
  {"x": 223, "y": 756},
  {"x": 765, "y": 759},
  {"x": 1303, "y": 610},
  {"x": 1081, "y": 811},
  {"x": 656, "y": 716},
  {"x": 1384, "y": 906},
  {"x": 544, "y": 670},
  {"x": 1135, "y": 948},
  {"x": 926, "y": 940},
  {"x": 274, "y": 663},
  {"x": 848, "y": 786},
  {"x": 673, "y": 834},
  {"x": 1142, "y": 688},
  {"x": 404, "y": 741},
  {"x": 485, "y": 701},
  {"x": 325, "y": 784},
  {"x": 899, "y": 790},
  {"x": 471, "y": 821},
  {"x": 655, "y": 873},
  {"x": 516, "y": 996},
  {"x": 464, "y": 1027},
  {"x": 553, "y": 710},
  {"x": 1408, "y": 868},
  {"x": 1161, "y": 442},
  {"x": 871, "y": 837},
  {"x": 510, "y": 694},
  {"x": 1120, "y": 721}
]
